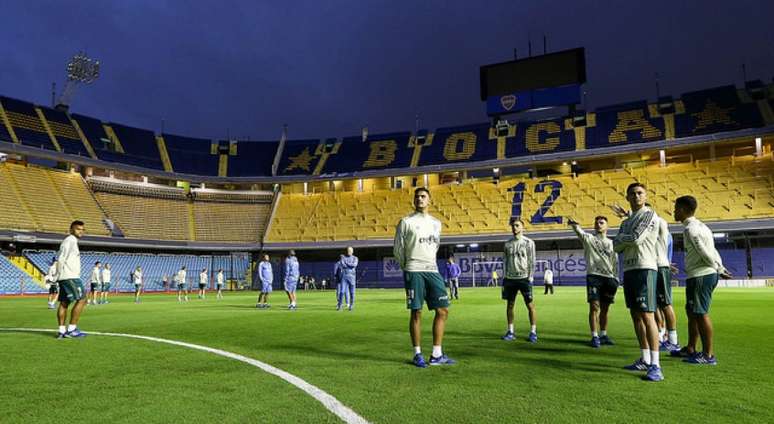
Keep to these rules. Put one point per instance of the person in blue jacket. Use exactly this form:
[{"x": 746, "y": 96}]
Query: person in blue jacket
[
  {"x": 291, "y": 278},
  {"x": 345, "y": 271},
  {"x": 453, "y": 278},
  {"x": 266, "y": 275}
]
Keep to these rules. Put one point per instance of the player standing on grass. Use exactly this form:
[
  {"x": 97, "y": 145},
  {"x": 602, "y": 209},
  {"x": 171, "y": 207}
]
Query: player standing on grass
[
  {"x": 417, "y": 239},
  {"x": 601, "y": 277},
  {"x": 348, "y": 268},
  {"x": 548, "y": 281},
  {"x": 703, "y": 266},
  {"x": 105, "y": 283},
  {"x": 291, "y": 278},
  {"x": 266, "y": 276},
  {"x": 180, "y": 280},
  {"x": 51, "y": 285},
  {"x": 519, "y": 264},
  {"x": 137, "y": 280},
  {"x": 71, "y": 289},
  {"x": 668, "y": 320},
  {"x": 94, "y": 296},
  {"x": 203, "y": 283},
  {"x": 637, "y": 238},
  {"x": 453, "y": 278},
  {"x": 219, "y": 283}
]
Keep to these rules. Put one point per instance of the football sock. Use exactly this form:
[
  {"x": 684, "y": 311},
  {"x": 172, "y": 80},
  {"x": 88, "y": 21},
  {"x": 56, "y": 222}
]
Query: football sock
[
  {"x": 510, "y": 328},
  {"x": 71, "y": 327},
  {"x": 654, "y": 358},
  {"x": 646, "y": 356},
  {"x": 673, "y": 337},
  {"x": 603, "y": 333},
  {"x": 533, "y": 329},
  {"x": 594, "y": 334},
  {"x": 62, "y": 329},
  {"x": 437, "y": 353},
  {"x": 417, "y": 350},
  {"x": 661, "y": 333}
]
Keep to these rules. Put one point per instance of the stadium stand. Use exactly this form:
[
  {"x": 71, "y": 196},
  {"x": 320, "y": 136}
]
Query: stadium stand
[
  {"x": 250, "y": 157},
  {"x": 26, "y": 123},
  {"x": 139, "y": 144},
  {"x": 191, "y": 155},
  {"x": 64, "y": 132},
  {"x": 736, "y": 188},
  {"x": 15, "y": 281},
  {"x": 155, "y": 267},
  {"x": 158, "y": 212},
  {"x": 47, "y": 200}
]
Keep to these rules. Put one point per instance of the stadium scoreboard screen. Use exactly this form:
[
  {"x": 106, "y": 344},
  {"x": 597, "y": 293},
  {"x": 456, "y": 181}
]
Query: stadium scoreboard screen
[{"x": 542, "y": 81}]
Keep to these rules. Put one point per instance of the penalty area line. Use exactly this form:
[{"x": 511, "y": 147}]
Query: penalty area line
[{"x": 330, "y": 403}]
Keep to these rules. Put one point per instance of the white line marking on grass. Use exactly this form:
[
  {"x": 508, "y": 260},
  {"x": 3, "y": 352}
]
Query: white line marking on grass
[{"x": 331, "y": 403}]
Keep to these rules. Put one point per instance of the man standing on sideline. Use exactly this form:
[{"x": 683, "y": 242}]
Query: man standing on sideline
[
  {"x": 417, "y": 239},
  {"x": 453, "y": 278},
  {"x": 137, "y": 280},
  {"x": 203, "y": 283},
  {"x": 703, "y": 266},
  {"x": 180, "y": 278},
  {"x": 51, "y": 285},
  {"x": 548, "y": 281},
  {"x": 291, "y": 278},
  {"x": 105, "y": 283},
  {"x": 71, "y": 289},
  {"x": 601, "y": 277},
  {"x": 519, "y": 264},
  {"x": 664, "y": 289},
  {"x": 94, "y": 295},
  {"x": 266, "y": 276},
  {"x": 637, "y": 239},
  {"x": 219, "y": 280},
  {"x": 348, "y": 269}
]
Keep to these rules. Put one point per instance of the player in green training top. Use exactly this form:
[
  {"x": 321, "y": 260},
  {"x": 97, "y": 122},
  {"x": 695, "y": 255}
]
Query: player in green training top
[
  {"x": 636, "y": 239},
  {"x": 601, "y": 277},
  {"x": 417, "y": 239},
  {"x": 703, "y": 266},
  {"x": 519, "y": 264}
]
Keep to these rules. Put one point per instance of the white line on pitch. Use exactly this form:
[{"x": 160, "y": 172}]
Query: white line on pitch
[{"x": 331, "y": 403}]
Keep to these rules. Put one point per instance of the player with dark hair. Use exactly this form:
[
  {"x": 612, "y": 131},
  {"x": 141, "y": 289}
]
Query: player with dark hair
[
  {"x": 180, "y": 278},
  {"x": 453, "y": 278},
  {"x": 601, "y": 277},
  {"x": 637, "y": 238},
  {"x": 137, "y": 280},
  {"x": 71, "y": 289},
  {"x": 417, "y": 239},
  {"x": 291, "y": 278},
  {"x": 219, "y": 284},
  {"x": 665, "y": 315},
  {"x": 266, "y": 275},
  {"x": 203, "y": 281},
  {"x": 519, "y": 271},
  {"x": 95, "y": 284},
  {"x": 703, "y": 266},
  {"x": 106, "y": 278},
  {"x": 51, "y": 285}
]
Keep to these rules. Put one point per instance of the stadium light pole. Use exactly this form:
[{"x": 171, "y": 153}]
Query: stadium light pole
[{"x": 81, "y": 69}]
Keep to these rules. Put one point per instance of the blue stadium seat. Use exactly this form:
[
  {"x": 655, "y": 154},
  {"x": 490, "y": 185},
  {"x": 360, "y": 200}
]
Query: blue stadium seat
[
  {"x": 253, "y": 158},
  {"x": 191, "y": 155}
]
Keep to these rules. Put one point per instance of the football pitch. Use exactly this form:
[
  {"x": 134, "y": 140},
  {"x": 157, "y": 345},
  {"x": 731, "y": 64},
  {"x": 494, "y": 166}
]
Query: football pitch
[{"x": 362, "y": 358}]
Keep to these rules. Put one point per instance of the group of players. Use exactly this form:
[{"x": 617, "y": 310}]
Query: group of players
[
  {"x": 344, "y": 272},
  {"x": 643, "y": 239},
  {"x": 100, "y": 283}
]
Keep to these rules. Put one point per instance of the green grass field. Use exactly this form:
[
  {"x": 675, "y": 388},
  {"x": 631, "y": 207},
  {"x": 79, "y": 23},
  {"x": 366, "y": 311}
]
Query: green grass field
[{"x": 362, "y": 358}]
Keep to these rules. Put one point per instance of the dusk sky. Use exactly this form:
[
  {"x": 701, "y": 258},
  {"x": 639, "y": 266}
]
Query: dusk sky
[{"x": 327, "y": 68}]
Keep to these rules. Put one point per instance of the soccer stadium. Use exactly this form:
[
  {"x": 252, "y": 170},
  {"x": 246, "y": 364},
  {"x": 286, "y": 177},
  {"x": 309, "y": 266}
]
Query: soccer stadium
[{"x": 241, "y": 279}]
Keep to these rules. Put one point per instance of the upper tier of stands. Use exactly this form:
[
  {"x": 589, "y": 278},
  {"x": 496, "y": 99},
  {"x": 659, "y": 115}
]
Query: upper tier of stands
[
  {"x": 731, "y": 188},
  {"x": 152, "y": 212},
  {"x": 713, "y": 110},
  {"x": 47, "y": 200}
]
